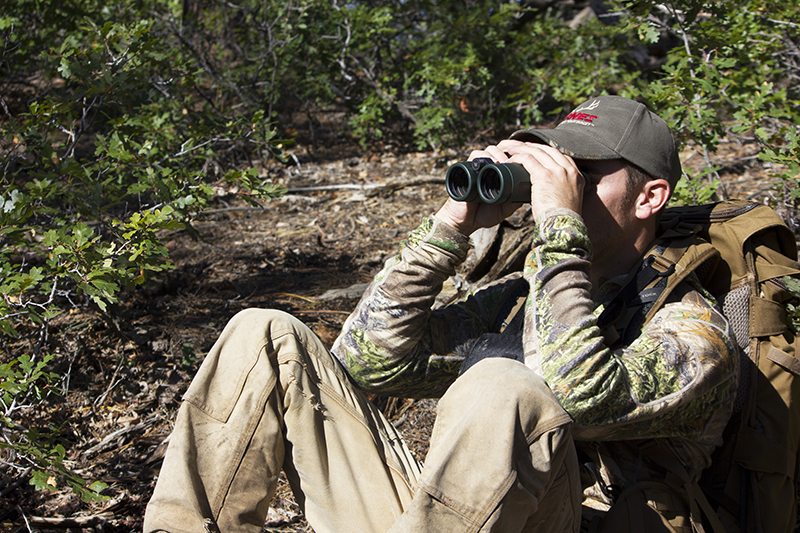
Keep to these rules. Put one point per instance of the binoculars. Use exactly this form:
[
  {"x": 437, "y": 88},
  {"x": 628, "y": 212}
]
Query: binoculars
[
  {"x": 489, "y": 182},
  {"x": 482, "y": 180}
]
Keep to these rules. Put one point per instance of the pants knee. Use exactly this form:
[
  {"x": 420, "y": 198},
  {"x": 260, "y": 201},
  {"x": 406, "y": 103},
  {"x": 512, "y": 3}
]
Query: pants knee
[
  {"x": 282, "y": 339},
  {"x": 508, "y": 384},
  {"x": 501, "y": 374},
  {"x": 270, "y": 329},
  {"x": 243, "y": 359},
  {"x": 498, "y": 379},
  {"x": 253, "y": 321}
]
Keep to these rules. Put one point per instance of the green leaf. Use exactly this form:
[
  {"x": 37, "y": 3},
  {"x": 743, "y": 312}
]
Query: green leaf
[
  {"x": 43, "y": 481},
  {"x": 648, "y": 32}
]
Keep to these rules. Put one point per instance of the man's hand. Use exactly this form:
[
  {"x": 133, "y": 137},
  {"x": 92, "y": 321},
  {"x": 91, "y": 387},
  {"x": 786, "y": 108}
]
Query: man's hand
[
  {"x": 555, "y": 182},
  {"x": 467, "y": 217},
  {"x": 555, "y": 178}
]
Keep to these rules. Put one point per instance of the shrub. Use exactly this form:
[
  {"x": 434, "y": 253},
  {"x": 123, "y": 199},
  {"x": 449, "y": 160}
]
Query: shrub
[{"x": 115, "y": 145}]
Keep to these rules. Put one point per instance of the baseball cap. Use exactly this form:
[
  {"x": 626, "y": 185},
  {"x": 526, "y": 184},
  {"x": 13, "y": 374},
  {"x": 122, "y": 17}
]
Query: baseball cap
[{"x": 614, "y": 127}]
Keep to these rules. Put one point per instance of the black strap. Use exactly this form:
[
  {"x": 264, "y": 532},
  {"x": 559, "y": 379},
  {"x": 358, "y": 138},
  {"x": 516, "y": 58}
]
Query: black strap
[
  {"x": 637, "y": 293},
  {"x": 510, "y": 306}
]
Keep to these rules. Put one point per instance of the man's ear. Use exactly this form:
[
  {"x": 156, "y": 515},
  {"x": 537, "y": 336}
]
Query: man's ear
[{"x": 652, "y": 198}]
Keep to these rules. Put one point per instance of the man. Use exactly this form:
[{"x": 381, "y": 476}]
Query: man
[{"x": 502, "y": 456}]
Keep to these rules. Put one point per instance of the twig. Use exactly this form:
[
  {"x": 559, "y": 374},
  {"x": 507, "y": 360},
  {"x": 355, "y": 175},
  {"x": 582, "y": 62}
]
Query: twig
[
  {"x": 323, "y": 312},
  {"x": 688, "y": 48},
  {"x": 107, "y": 441},
  {"x": 759, "y": 192},
  {"x": 102, "y": 398},
  {"x": 310, "y": 300},
  {"x": 22, "y": 513},
  {"x": 20, "y": 480},
  {"x": 774, "y": 21},
  {"x": 5, "y": 107},
  {"x": 341, "y": 186},
  {"x": 341, "y": 237}
]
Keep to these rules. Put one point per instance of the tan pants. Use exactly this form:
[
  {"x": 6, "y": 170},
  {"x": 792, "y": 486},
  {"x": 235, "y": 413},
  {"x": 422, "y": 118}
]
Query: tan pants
[{"x": 269, "y": 396}]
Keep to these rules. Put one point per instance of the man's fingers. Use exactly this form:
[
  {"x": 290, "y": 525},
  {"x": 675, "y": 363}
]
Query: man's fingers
[
  {"x": 555, "y": 178},
  {"x": 545, "y": 154},
  {"x": 492, "y": 152},
  {"x": 475, "y": 154}
]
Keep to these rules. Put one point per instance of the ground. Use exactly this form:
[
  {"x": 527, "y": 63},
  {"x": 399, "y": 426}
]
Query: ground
[{"x": 127, "y": 371}]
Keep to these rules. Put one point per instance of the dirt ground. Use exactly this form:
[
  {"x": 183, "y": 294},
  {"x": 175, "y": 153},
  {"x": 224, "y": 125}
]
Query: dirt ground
[{"x": 127, "y": 371}]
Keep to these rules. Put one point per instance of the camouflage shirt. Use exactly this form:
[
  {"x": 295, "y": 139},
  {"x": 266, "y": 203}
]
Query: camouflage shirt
[{"x": 676, "y": 380}]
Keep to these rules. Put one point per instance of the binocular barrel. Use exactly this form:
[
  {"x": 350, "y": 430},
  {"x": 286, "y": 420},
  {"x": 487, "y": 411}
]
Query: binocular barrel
[{"x": 485, "y": 181}]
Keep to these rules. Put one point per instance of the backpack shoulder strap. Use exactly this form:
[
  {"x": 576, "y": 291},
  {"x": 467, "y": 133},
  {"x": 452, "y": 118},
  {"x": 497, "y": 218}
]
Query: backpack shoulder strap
[
  {"x": 740, "y": 251},
  {"x": 714, "y": 242},
  {"x": 676, "y": 254}
]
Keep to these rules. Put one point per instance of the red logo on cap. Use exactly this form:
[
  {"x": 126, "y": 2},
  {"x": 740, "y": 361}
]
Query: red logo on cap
[
  {"x": 585, "y": 117},
  {"x": 578, "y": 113}
]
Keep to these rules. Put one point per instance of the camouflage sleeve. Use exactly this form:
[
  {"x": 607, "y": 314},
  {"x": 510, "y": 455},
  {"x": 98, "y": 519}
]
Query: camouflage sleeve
[
  {"x": 394, "y": 343},
  {"x": 677, "y": 379}
]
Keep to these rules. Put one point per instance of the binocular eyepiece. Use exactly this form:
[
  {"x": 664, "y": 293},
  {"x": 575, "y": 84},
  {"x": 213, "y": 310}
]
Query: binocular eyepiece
[{"x": 489, "y": 182}]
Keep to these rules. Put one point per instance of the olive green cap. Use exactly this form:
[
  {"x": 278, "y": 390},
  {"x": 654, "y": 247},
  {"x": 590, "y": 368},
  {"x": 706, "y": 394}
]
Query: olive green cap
[{"x": 613, "y": 127}]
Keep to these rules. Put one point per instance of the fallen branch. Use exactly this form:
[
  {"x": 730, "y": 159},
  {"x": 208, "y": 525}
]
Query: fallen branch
[
  {"x": 369, "y": 186},
  {"x": 323, "y": 312},
  {"x": 339, "y": 187},
  {"x": 80, "y": 521}
]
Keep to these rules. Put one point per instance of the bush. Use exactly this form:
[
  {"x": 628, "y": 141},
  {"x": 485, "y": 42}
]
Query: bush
[
  {"x": 458, "y": 71},
  {"x": 115, "y": 145}
]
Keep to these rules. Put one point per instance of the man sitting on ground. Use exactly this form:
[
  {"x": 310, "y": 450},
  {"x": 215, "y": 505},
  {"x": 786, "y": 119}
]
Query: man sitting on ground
[{"x": 518, "y": 390}]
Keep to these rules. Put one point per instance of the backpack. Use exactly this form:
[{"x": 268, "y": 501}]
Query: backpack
[{"x": 740, "y": 251}]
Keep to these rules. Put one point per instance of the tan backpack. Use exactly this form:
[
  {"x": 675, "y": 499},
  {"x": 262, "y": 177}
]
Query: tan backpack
[{"x": 741, "y": 252}]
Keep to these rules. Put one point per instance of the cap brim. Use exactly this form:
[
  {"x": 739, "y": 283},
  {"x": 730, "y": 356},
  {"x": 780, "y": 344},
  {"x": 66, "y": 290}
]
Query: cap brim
[{"x": 568, "y": 142}]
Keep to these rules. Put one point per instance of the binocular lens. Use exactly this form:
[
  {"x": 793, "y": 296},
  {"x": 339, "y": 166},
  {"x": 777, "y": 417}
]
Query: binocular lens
[
  {"x": 490, "y": 184},
  {"x": 458, "y": 183}
]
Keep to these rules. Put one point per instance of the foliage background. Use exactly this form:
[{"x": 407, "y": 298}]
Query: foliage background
[{"x": 122, "y": 120}]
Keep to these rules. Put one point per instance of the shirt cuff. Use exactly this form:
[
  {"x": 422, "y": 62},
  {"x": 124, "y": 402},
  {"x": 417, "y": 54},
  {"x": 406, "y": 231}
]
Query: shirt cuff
[{"x": 445, "y": 236}]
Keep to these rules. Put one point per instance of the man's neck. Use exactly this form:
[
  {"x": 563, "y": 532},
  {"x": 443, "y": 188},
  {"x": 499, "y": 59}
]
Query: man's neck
[{"x": 621, "y": 262}]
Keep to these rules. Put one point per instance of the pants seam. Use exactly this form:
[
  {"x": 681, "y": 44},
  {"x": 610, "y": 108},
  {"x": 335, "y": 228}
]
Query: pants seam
[
  {"x": 476, "y": 518},
  {"x": 242, "y": 445},
  {"x": 330, "y": 392},
  {"x": 553, "y": 423}
]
